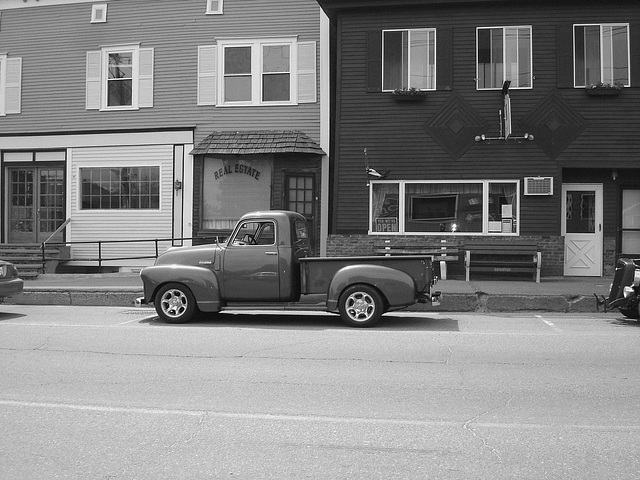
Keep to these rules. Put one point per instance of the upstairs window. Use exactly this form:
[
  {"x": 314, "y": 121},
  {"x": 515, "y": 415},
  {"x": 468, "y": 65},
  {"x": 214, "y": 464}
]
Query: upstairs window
[
  {"x": 119, "y": 78},
  {"x": 601, "y": 54},
  {"x": 257, "y": 72},
  {"x": 504, "y": 53},
  {"x": 409, "y": 59}
]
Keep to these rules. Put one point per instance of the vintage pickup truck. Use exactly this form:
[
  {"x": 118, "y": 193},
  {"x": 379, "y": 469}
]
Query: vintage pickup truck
[{"x": 266, "y": 259}]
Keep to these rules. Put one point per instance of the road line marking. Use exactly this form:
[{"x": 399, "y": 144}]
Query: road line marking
[
  {"x": 136, "y": 320},
  {"x": 309, "y": 418},
  {"x": 551, "y": 324}
]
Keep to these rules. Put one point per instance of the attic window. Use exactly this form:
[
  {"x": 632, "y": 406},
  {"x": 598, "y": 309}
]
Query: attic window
[
  {"x": 214, "y": 7},
  {"x": 99, "y": 13}
]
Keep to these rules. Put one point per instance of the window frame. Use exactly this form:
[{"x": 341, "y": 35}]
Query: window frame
[
  {"x": 215, "y": 11},
  {"x": 135, "y": 76},
  {"x": 600, "y": 45},
  {"x": 257, "y": 74},
  {"x": 428, "y": 31},
  {"x": 99, "y": 13},
  {"x": 504, "y": 57},
  {"x": 402, "y": 210},
  {"x": 82, "y": 196}
]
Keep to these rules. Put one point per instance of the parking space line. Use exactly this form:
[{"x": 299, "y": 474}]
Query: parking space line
[{"x": 550, "y": 324}]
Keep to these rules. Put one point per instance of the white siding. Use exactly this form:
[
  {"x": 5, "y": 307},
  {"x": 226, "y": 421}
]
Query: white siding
[{"x": 93, "y": 225}]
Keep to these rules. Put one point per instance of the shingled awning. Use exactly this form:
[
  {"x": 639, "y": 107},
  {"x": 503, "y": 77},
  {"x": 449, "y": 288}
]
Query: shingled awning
[{"x": 248, "y": 142}]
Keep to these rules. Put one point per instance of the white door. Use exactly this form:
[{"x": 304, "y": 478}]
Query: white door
[{"x": 582, "y": 229}]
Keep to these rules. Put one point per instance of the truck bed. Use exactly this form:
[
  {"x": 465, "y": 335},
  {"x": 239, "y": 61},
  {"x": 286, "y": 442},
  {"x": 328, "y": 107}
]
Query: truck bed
[{"x": 316, "y": 273}]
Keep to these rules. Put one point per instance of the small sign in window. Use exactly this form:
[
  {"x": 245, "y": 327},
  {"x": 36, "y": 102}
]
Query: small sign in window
[{"x": 389, "y": 224}]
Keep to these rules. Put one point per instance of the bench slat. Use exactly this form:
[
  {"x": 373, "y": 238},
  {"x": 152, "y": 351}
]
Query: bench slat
[{"x": 438, "y": 251}]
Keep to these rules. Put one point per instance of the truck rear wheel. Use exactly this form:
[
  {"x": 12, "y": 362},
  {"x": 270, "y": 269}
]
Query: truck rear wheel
[
  {"x": 175, "y": 303},
  {"x": 361, "y": 306}
]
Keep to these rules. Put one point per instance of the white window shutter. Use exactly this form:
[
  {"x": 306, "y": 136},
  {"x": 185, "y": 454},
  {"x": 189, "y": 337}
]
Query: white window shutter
[
  {"x": 207, "y": 58},
  {"x": 94, "y": 80},
  {"x": 13, "y": 85},
  {"x": 307, "y": 88},
  {"x": 145, "y": 78}
]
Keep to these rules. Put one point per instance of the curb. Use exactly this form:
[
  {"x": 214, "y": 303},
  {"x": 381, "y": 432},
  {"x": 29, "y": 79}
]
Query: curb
[
  {"x": 453, "y": 302},
  {"x": 77, "y": 296}
]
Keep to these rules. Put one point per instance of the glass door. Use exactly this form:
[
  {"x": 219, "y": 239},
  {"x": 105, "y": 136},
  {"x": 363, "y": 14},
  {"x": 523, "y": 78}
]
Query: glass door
[{"x": 36, "y": 203}]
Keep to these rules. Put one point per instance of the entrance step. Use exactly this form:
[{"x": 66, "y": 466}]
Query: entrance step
[{"x": 27, "y": 258}]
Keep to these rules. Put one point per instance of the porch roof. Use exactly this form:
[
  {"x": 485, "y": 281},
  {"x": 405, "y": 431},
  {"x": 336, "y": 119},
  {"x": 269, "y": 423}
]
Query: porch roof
[{"x": 246, "y": 142}]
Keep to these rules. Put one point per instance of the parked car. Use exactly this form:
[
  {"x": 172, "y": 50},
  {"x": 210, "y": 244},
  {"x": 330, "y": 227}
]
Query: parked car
[
  {"x": 10, "y": 283},
  {"x": 624, "y": 293}
]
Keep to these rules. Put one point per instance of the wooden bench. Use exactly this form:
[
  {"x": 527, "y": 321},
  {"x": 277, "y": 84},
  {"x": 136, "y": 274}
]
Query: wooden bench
[
  {"x": 442, "y": 251},
  {"x": 503, "y": 257}
]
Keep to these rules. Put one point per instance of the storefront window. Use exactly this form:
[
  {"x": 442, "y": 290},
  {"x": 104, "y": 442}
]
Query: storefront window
[
  {"x": 472, "y": 208},
  {"x": 232, "y": 188},
  {"x": 384, "y": 201}
]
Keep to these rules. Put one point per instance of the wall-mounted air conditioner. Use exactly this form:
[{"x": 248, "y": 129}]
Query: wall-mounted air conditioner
[{"x": 538, "y": 185}]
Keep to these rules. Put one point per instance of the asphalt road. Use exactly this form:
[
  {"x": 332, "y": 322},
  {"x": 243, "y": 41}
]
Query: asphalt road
[{"x": 112, "y": 393}]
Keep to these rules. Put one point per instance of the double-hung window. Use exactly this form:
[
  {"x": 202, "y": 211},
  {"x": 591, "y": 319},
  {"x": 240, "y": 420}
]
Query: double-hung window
[
  {"x": 504, "y": 53},
  {"x": 120, "y": 78},
  {"x": 258, "y": 72},
  {"x": 409, "y": 59},
  {"x": 601, "y": 54},
  {"x": 471, "y": 207}
]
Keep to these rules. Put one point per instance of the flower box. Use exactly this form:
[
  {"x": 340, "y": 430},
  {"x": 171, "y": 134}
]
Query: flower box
[
  {"x": 409, "y": 95},
  {"x": 409, "y": 98},
  {"x": 603, "y": 90}
]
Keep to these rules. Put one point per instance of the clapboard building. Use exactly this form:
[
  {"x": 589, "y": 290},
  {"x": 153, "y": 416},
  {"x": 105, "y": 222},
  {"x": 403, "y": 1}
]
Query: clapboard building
[{"x": 156, "y": 119}]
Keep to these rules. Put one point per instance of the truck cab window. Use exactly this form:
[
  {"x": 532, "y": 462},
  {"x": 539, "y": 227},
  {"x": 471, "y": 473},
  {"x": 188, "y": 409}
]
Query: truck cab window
[{"x": 255, "y": 233}]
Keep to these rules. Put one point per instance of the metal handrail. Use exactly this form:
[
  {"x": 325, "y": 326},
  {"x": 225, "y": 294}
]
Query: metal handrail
[
  {"x": 58, "y": 230},
  {"x": 43, "y": 245},
  {"x": 100, "y": 258}
]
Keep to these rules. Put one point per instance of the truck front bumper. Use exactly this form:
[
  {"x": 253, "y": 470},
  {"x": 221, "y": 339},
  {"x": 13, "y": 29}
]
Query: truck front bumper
[{"x": 433, "y": 298}]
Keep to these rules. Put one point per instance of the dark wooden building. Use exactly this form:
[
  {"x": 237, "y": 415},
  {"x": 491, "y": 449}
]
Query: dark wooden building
[{"x": 488, "y": 119}]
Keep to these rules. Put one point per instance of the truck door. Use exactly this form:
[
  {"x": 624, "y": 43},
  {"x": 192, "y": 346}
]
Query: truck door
[{"x": 251, "y": 271}]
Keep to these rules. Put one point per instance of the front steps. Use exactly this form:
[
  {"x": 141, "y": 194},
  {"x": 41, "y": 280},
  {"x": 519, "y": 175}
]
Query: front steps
[{"x": 27, "y": 257}]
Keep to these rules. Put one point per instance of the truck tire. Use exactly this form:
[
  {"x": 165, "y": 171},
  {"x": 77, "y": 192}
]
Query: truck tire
[
  {"x": 360, "y": 306},
  {"x": 175, "y": 303}
]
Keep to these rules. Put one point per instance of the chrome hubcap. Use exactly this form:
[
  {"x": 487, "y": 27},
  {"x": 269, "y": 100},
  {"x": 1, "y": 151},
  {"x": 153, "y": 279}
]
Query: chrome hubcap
[
  {"x": 360, "y": 306},
  {"x": 174, "y": 303}
]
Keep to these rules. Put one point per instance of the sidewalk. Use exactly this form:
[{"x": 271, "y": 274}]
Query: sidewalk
[{"x": 555, "y": 294}]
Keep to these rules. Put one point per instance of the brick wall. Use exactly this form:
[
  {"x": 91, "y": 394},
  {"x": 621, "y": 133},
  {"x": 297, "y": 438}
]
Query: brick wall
[{"x": 552, "y": 248}]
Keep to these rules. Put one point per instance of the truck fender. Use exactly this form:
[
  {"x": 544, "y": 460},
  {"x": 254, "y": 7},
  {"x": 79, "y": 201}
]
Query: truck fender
[
  {"x": 202, "y": 282},
  {"x": 397, "y": 287}
]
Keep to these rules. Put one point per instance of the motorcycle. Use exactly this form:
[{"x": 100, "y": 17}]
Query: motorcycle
[{"x": 624, "y": 293}]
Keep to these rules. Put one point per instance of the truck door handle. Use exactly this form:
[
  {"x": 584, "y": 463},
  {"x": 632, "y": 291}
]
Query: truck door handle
[{"x": 270, "y": 253}]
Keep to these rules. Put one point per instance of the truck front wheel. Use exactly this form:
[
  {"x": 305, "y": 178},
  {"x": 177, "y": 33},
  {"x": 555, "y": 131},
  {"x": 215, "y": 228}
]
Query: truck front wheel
[
  {"x": 175, "y": 303},
  {"x": 361, "y": 306}
]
